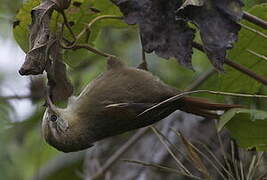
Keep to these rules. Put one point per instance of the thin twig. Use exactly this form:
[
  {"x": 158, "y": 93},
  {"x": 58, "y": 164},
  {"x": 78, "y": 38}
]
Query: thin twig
[
  {"x": 250, "y": 170},
  {"x": 257, "y": 54},
  {"x": 160, "y": 167},
  {"x": 206, "y": 157},
  {"x": 101, "y": 18},
  {"x": 234, "y": 160},
  {"x": 88, "y": 47},
  {"x": 255, "y": 20},
  {"x": 15, "y": 97},
  {"x": 257, "y": 164},
  {"x": 246, "y": 71},
  {"x": 253, "y": 30},
  {"x": 88, "y": 27},
  {"x": 179, "y": 163},
  {"x": 144, "y": 62},
  {"x": 236, "y": 66},
  {"x": 119, "y": 153},
  {"x": 203, "y": 77},
  {"x": 222, "y": 148},
  {"x": 66, "y": 22}
]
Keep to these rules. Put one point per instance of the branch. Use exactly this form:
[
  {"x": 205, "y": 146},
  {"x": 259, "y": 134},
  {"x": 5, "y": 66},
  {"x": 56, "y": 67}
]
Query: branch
[
  {"x": 66, "y": 22},
  {"x": 257, "y": 54},
  {"x": 203, "y": 77},
  {"x": 160, "y": 167},
  {"x": 253, "y": 30},
  {"x": 88, "y": 27},
  {"x": 15, "y": 97},
  {"x": 119, "y": 153},
  {"x": 255, "y": 20},
  {"x": 236, "y": 66},
  {"x": 88, "y": 47}
]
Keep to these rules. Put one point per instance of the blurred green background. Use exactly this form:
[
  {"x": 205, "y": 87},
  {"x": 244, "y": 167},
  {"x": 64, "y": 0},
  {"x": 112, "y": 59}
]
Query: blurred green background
[{"x": 23, "y": 152}]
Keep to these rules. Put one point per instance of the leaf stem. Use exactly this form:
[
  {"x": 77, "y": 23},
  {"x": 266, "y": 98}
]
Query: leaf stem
[
  {"x": 236, "y": 66},
  {"x": 88, "y": 27},
  {"x": 88, "y": 47},
  {"x": 253, "y": 30},
  {"x": 15, "y": 97},
  {"x": 255, "y": 20},
  {"x": 257, "y": 54},
  {"x": 74, "y": 44},
  {"x": 66, "y": 22}
]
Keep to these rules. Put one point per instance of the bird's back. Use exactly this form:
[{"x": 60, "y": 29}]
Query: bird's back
[{"x": 124, "y": 85}]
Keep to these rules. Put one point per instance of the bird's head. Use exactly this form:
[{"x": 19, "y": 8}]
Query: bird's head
[{"x": 62, "y": 130}]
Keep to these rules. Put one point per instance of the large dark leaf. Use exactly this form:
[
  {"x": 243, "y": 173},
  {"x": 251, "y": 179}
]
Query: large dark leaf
[
  {"x": 216, "y": 20},
  {"x": 248, "y": 40},
  {"x": 159, "y": 30}
]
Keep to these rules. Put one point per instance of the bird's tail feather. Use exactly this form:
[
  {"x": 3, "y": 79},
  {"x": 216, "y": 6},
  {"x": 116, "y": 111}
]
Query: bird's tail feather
[{"x": 204, "y": 108}]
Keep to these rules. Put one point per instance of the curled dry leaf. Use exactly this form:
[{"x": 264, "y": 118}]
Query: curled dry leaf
[
  {"x": 159, "y": 30},
  {"x": 60, "y": 86},
  {"x": 39, "y": 38},
  {"x": 37, "y": 87},
  {"x": 216, "y": 20},
  {"x": 61, "y": 4},
  {"x": 45, "y": 53}
]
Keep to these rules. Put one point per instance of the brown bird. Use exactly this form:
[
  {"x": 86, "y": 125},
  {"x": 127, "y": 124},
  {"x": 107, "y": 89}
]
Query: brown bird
[{"x": 119, "y": 100}]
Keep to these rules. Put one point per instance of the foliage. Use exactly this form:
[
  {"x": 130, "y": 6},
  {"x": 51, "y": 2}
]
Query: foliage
[
  {"x": 22, "y": 141},
  {"x": 247, "y": 126}
]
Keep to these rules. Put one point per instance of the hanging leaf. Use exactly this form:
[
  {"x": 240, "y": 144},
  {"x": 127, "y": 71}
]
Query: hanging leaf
[
  {"x": 159, "y": 30},
  {"x": 60, "y": 85},
  {"x": 35, "y": 60},
  {"x": 247, "y": 40},
  {"x": 216, "y": 21}
]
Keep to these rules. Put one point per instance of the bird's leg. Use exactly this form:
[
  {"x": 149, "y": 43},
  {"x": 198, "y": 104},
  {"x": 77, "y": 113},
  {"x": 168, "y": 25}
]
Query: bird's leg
[{"x": 143, "y": 65}]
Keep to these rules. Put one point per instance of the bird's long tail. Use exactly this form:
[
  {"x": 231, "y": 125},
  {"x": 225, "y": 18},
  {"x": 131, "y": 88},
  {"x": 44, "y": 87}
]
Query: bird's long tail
[{"x": 204, "y": 108}]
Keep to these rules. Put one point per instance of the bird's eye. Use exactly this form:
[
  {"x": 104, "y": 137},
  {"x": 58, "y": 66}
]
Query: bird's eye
[{"x": 53, "y": 118}]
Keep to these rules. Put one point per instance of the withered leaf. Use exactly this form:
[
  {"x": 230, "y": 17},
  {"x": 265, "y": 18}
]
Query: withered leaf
[
  {"x": 216, "y": 20},
  {"x": 60, "y": 86},
  {"x": 159, "y": 30},
  {"x": 168, "y": 38},
  {"x": 39, "y": 35},
  {"x": 61, "y": 4}
]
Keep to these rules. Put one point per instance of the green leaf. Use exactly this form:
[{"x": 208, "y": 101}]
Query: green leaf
[
  {"x": 248, "y": 40},
  {"x": 233, "y": 79},
  {"x": 20, "y": 26},
  {"x": 79, "y": 14},
  {"x": 247, "y": 126}
]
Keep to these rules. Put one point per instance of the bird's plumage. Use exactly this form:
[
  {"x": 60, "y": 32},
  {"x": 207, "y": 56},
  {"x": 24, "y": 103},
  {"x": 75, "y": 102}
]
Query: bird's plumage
[{"x": 119, "y": 100}]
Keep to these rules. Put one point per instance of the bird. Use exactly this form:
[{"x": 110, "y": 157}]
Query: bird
[{"x": 121, "y": 99}]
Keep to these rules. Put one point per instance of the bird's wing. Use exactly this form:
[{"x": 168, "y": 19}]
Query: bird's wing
[
  {"x": 132, "y": 109},
  {"x": 197, "y": 106}
]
